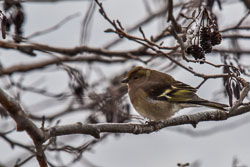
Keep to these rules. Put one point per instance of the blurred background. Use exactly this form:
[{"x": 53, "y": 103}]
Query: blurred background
[{"x": 78, "y": 90}]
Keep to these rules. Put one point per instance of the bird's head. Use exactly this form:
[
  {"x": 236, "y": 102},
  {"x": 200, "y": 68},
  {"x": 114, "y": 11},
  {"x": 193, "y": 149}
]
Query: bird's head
[{"x": 136, "y": 75}]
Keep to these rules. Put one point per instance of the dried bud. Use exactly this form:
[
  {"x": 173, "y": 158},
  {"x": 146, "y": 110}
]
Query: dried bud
[
  {"x": 215, "y": 38},
  {"x": 206, "y": 46},
  {"x": 205, "y": 39},
  {"x": 205, "y": 34}
]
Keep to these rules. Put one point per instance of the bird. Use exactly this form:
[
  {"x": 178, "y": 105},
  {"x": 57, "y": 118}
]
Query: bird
[{"x": 157, "y": 96}]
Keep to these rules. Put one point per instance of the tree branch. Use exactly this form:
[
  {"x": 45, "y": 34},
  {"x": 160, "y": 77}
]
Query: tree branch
[
  {"x": 24, "y": 124},
  {"x": 45, "y": 63},
  {"x": 132, "y": 128}
]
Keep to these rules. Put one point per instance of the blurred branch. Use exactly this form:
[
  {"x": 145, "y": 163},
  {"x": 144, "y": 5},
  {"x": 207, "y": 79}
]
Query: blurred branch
[
  {"x": 53, "y": 28},
  {"x": 30, "y": 48},
  {"x": 14, "y": 143},
  {"x": 55, "y": 61},
  {"x": 214, "y": 130},
  {"x": 105, "y": 98},
  {"x": 222, "y": 50},
  {"x": 85, "y": 33},
  {"x": 233, "y": 36},
  {"x": 247, "y": 3},
  {"x": 141, "y": 23}
]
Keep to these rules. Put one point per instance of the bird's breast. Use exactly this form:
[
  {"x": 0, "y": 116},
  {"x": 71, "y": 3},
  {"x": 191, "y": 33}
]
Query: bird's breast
[{"x": 152, "y": 109}]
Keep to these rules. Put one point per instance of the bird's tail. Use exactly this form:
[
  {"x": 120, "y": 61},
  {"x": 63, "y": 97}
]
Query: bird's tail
[{"x": 212, "y": 104}]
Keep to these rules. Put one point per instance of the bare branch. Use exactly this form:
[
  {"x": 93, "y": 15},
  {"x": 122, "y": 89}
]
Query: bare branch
[{"x": 24, "y": 124}]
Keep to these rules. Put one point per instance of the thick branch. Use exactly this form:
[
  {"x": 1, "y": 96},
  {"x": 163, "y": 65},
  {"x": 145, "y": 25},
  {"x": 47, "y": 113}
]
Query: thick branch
[
  {"x": 24, "y": 124},
  {"x": 96, "y": 129}
]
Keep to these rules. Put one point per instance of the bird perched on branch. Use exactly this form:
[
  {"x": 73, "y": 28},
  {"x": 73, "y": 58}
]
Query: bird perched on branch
[{"x": 157, "y": 96}]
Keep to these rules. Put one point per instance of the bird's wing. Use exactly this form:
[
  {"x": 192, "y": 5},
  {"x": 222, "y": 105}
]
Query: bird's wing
[{"x": 176, "y": 92}]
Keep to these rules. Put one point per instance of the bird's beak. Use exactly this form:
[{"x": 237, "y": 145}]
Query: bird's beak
[{"x": 125, "y": 80}]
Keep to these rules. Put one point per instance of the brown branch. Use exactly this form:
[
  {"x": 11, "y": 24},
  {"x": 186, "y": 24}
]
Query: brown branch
[
  {"x": 132, "y": 128},
  {"x": 213, "y": 130},
  {"x": 176, "y": 26},
  {"x": 14, "y": 143},
  {"x": 24, "y": 161},
  {"x": 222, "y": 50},
  {"x": 235, "y": 28},
  {"x": 155, "y": 47},
  {"x": 85, "y": 33},
  {"x": 236, "y": 36},
  {"x": 244, "y": 93},
  {"x": 30, "y": 48},
  {"x": 42, "y": 64},
  {"x": 23, "y": 123},
  {"x": 238, "y": 25},
  {"x": 193, "y": 119},
  {"x": 145, "y": 21}
]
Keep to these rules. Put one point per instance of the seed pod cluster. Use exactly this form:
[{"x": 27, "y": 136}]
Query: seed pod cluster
[
  {"x": 196, "y": 51},
  {"x": 207, "y": 34},
  {"x": 209, "y": 37}
]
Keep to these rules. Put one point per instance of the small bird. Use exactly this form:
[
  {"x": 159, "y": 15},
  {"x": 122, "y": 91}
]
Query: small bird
[{"x": 157, "y": 96}]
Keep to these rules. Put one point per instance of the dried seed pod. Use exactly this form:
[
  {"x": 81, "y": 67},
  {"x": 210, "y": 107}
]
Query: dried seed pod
[
  {"x": 8, "y": 24},
  {"x": 206, "y": 46},
  {"x": 215, "y": 37},
  {"x": 205, "y": 34},
  {"x": 18, "y": 20},
  {"x": 230, "y": 93},
  {"x": 225, "y": 71},
  {"x": 3, "y": 26},
  {"x": 236, "y": 90},
  {"x": 189, "y": 50},
  {"x": 205, "y": 39},
  {"x": 196, "y": 51}
]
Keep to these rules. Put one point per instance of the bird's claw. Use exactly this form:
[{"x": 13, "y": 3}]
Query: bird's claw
[{"x": 154, "y": 124}]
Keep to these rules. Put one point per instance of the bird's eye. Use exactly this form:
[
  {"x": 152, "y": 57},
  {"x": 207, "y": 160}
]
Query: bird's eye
[{"x": 136, "y": 77}]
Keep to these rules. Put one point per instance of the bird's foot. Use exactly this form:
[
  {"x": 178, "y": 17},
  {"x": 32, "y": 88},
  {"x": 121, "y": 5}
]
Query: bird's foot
[{"x": 154, "y": 124}]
